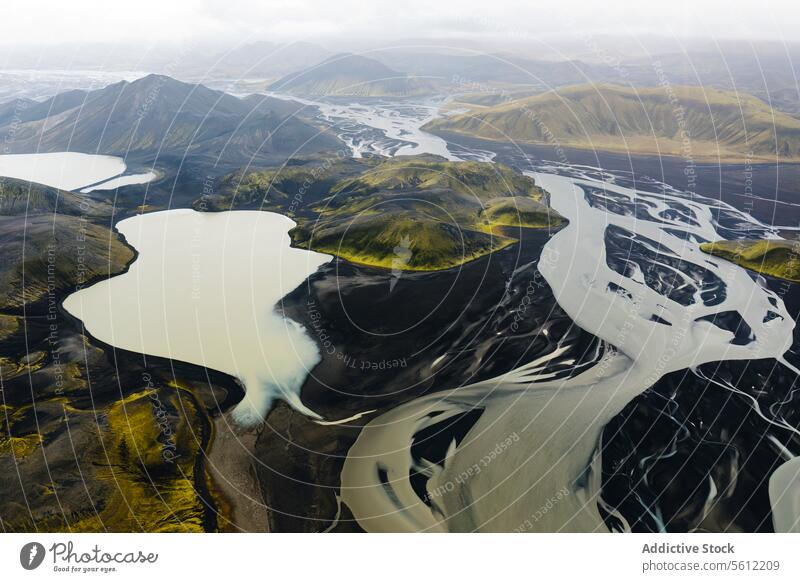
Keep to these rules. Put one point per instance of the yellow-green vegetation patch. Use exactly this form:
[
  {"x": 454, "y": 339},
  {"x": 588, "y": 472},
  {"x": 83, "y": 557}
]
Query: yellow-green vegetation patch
[
  {"x": 422, "y": 213},
  {"x": 287, "y": 188},
  {"x": 477, "y": 180},
  {"x": 19, "y": 447},
  {"x": 403, "y": 243},
  {"x": 11, "y": 368},
  {"x": 520, "y": 212},
  {"x": 777, "y": 258},
  {"x": 139, "y": 455},
  {"x": 9, "y": 325},
  {"x": 12, "y": 442},
  {"x": 149, "y": 466},
  {"x": 416, "y": 213},
  {"x": 723, "y": 124}
]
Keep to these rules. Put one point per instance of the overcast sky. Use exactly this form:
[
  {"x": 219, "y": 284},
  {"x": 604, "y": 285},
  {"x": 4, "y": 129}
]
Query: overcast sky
[{"x": 42, "y": 22}]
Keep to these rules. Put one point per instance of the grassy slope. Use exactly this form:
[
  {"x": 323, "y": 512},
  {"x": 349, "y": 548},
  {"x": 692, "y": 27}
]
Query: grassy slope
[
  {"x": 410, "y": 213},
  {"x": 398, "y": 241},
  {"x": 519, "y": 212},
  {"x": 475, "y": 180},
  {"x": 643, "y": 120},
  {"x": 50, "y": 238},
  {"x": 274, "y": 188},
  {"x": 420, "y": 213},
  {"x": 777, "y": 258}
]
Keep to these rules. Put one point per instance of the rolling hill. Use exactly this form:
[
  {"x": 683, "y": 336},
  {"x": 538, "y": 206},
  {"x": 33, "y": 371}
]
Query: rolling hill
[
  {"x": 351, "y": 75},
  {"x": 158, "y": 115},
  {"x": 776, "y": 258},
  {"x": 691, "y": 122},
  {"x": 413, "y": 213}
]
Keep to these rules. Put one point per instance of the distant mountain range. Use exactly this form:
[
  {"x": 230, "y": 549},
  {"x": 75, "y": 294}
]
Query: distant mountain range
[
  {"x": 701, "y": 123},
  {"x": 492, "y": 72},
  {"x": 351, "y": 75},
  {"x": 264, "y": 59},
  {"x": 765, "y": 70},
  {"x": 160, "y": 116}
]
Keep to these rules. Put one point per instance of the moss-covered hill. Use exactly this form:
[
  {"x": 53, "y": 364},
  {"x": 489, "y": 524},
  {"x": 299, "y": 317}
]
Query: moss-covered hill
[
  {"x": 777, "y": 258},
  {"x": 520, "y": 212},
  {"x": 702, "y": 123},
  {"x": 417, "y": 213},
  {"x": 468, "y": 180}
]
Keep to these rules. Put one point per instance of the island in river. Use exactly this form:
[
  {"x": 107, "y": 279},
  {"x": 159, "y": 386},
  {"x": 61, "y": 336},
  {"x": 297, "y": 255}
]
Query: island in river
[
  {"x": 417, "y": 213},
  {"x": 774, "y": 257}
]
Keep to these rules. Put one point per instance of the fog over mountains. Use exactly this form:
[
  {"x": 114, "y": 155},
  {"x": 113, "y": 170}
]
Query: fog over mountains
[{"x": 349, "y": 74}]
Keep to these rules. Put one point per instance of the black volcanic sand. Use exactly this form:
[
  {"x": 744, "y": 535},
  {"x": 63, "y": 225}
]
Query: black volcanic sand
[
  {"x": 379, "y": 342},
  {"x": 658, "y": 453},
  {"x": 769, "y": 192},
  {"x": 661, "y": 449},
  {"x": 353, "y": 312},
  {"x": 380, "y": 332}
]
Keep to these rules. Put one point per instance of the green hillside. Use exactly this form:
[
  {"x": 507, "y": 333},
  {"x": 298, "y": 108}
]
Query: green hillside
[
  {"x": 654, "y": 120},
  {"x": 57, "y": 248},
  {"x": 777, "y": 258},
  {"x": 474, "y": 180},
  {"x": 398, "y": 240},
  {"x": 520, "y": 212},
  {"x": 411, "y": 213},
  {"x": 52, "y": 240}
]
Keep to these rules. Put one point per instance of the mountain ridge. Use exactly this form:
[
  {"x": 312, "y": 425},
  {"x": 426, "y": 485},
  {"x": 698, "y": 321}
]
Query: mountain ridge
[
  {"x": 689, "y": 122},
  {"x": 420, "y": 213},
  {"x": 347, "y": 74},
  {"x": 158, "y": 115}
]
